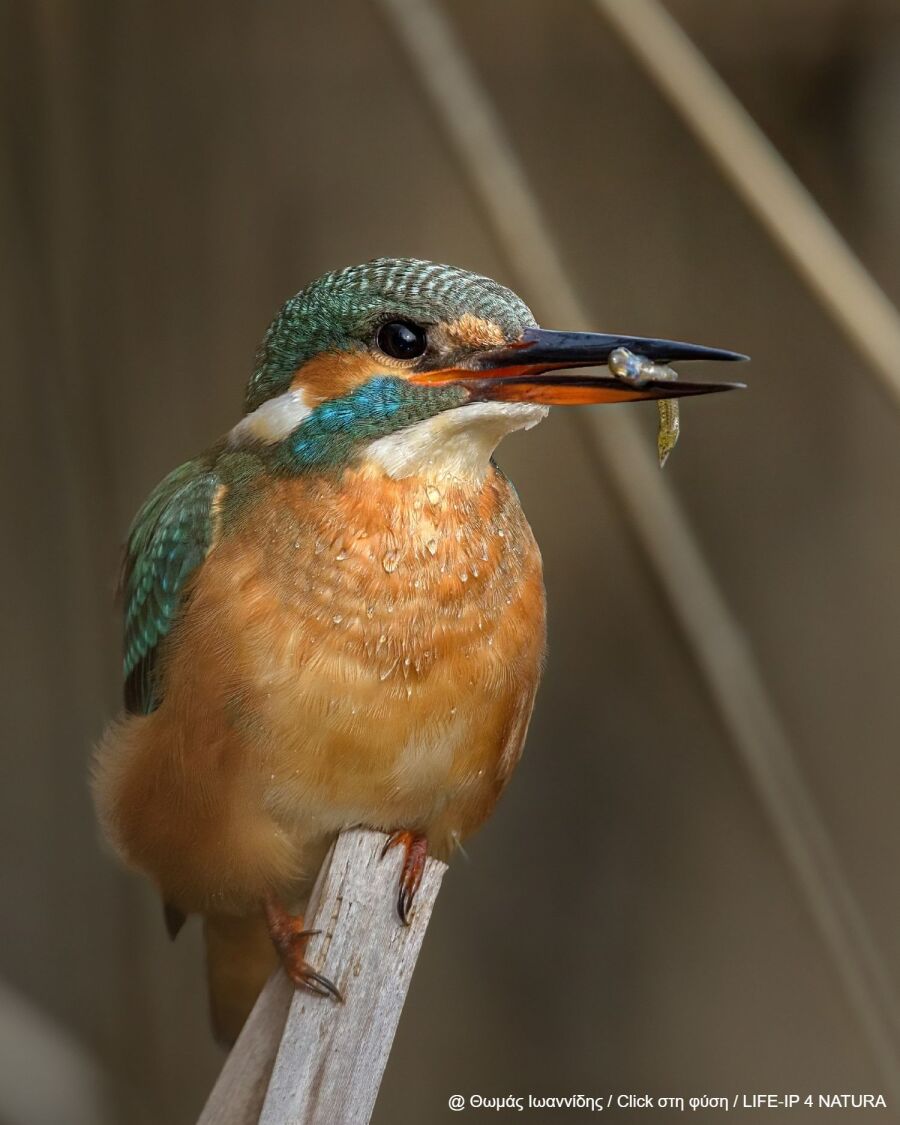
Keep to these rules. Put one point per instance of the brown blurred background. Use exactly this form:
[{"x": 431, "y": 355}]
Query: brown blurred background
[{"x": 627, "y": 921}]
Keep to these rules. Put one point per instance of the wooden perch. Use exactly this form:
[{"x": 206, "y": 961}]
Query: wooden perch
[{"x": 305, "y": 1060}]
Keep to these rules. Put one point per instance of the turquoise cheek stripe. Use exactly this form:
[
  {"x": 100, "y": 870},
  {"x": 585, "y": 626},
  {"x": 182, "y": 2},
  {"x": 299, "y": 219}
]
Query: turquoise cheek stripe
[{"x": 332, "y": 434}]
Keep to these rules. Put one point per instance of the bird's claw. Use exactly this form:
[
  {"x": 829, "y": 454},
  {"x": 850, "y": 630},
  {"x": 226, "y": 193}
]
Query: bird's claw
[
  {"x": 290, "y": 938},
  {"x": 415, "y": 847},
  {"x": 320, "y": 985}
]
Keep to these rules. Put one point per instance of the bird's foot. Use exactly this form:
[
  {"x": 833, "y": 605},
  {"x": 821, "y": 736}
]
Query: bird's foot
[
  {"x": 415, "y": 847},
  {"x": 290, "y": 938}
]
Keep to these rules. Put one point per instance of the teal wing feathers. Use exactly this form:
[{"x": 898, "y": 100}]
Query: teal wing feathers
[{"x": 168, "y": 540}]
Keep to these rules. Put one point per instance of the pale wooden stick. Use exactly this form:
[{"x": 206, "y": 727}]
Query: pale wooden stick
[
  {"x": 330, "y": 1056},
  {"x": 238, "y": 1094}
]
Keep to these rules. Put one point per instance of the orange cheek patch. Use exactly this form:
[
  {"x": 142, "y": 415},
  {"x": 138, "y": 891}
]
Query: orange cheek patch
[{"x": 333, "y": 374}]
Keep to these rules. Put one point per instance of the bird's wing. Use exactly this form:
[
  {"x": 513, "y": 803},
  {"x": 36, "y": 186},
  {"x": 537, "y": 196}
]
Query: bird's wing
[{"x": 168, "y": 540}]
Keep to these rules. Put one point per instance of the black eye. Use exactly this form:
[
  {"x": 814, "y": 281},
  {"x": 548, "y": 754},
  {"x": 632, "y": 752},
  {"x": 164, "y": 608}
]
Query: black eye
[{"x": 401, "y": 339}]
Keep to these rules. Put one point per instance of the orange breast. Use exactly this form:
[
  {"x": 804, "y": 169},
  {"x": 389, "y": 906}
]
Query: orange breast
[{"x": 360, "y": 650}]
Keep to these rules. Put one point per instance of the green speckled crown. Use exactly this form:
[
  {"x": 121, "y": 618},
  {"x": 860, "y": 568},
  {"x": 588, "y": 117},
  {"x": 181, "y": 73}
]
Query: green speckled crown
[{"x": 343, "y": 308}]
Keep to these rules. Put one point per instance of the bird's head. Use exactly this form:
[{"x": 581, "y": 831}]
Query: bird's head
[{"x": 411, "y": 364}]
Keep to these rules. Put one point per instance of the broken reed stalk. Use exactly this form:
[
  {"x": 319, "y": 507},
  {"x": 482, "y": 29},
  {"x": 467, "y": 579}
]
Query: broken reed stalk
[{"x": 305, "y": 1060}]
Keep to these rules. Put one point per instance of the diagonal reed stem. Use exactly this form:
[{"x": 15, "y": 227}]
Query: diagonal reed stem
[
  {"x": 764, "y": 180},
  {"x": 731, "y": 675}
]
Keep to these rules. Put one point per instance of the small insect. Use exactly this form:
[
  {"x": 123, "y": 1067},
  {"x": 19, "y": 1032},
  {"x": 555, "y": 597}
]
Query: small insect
[{"x": 638, "y": 369}]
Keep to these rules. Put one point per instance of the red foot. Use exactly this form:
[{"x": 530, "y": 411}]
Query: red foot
[
  {"x": 289, "y": 938},
  {"x": 416, "y": 852}
]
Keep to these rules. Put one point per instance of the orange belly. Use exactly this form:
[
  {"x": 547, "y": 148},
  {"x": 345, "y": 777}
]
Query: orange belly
[{"x": 362, "y": 651}]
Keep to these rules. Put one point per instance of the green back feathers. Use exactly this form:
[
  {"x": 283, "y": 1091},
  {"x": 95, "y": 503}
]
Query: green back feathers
[
  {"x": 343, "y": 308},
  {"x": 168, "y": 540}
]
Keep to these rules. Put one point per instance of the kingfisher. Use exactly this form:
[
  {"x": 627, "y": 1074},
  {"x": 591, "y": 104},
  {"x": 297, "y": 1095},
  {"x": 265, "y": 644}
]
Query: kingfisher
[{"x": 335, "y": 616}]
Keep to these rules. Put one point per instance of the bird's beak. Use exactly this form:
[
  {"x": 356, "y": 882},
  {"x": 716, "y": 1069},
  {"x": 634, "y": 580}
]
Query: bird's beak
[{"x": 531, "y": 369}]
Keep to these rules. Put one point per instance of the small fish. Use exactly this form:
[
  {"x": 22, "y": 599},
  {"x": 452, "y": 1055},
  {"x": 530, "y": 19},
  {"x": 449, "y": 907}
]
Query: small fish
[
  {"x": 637, "y": 369},
  {"x": 669, "y": 428}
]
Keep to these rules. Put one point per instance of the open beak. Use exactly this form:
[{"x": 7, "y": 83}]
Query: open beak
[{"x": 530, "y": 370}]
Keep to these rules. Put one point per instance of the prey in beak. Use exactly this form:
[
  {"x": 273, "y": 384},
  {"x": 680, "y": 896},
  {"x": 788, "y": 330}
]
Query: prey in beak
[{"x": 543, "y": 367}]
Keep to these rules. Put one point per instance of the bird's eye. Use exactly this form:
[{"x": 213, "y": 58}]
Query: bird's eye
[{"x": 401, "y": 339}]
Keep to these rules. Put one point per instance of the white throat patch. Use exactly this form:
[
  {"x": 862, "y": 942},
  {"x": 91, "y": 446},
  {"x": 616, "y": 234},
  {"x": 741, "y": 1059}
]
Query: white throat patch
[
  {"x": 273, "y": 420},
  {"x": 456, "y": 443}
]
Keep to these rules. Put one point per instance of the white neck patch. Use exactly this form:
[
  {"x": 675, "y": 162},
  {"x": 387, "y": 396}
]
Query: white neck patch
[
  {"x": 272, "y": 421},
  {"x": 456, "y": 443}
]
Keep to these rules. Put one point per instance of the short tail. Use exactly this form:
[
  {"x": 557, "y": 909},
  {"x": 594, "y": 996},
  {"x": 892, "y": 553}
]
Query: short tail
[{"x": 240, "y": 958}]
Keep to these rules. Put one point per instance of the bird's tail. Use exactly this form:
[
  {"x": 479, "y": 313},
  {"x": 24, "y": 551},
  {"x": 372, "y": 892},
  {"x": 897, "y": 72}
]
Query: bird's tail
[{"x": 240, "y": 958}]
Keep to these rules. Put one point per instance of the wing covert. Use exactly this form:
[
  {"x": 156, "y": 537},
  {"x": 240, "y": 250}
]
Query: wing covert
[{"x": 168, "y": 540}]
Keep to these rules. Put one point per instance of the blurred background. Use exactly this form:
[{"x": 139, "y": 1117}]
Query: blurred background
[{"x": 628, "y": 921}]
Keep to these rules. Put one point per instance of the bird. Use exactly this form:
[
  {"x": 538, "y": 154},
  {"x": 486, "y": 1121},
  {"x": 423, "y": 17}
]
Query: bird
[{"x": 335, "y": 615}]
